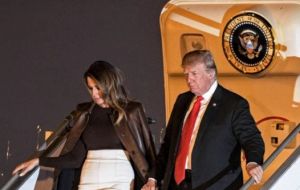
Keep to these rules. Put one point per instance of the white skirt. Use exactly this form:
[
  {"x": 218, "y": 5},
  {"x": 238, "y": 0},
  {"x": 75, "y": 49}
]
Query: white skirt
[{"x": 106, "y": 169}]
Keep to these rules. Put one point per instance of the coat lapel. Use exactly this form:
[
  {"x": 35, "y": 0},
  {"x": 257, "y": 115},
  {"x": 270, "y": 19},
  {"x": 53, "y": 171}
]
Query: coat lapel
[
  {"x": 183, "y": 107},
  {"x": 209, "y": 115}
]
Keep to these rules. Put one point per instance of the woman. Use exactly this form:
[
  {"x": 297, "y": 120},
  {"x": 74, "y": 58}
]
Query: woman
[{"x": 110, "y": 145}]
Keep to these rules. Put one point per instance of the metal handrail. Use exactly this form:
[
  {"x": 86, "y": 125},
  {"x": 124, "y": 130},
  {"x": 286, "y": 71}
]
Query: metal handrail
[
  {"x": 50, "y": 145},
  {"x": 289, "y": 166},
  {"x": 274, "y": 155}
]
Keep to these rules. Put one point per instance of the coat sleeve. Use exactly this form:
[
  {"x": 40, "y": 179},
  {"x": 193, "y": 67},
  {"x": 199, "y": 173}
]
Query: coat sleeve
[
  {"x": 73, "y": 159},
  {"x": 73, "y": 152},
  {"x": 247, "y": 133},
  {"x": 150, "y": 152}
]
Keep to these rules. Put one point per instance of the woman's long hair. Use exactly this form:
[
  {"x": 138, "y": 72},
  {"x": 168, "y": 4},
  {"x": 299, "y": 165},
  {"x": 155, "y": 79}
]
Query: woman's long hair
[{"x": 110, "y": 81}]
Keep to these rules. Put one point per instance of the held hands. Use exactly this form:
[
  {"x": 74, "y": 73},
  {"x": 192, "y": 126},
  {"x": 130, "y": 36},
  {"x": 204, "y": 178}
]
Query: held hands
[
  {"x": 26, "y": 166},
  {"x": 150, "y": 185},
  {"x": 255, "y": 171}
]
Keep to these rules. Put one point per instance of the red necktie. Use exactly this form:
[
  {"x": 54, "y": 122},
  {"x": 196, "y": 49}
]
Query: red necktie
[{"x": 185, "y": 141}]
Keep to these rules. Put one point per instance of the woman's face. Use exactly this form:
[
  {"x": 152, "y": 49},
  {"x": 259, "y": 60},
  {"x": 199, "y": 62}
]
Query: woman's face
[{"x": 96, "y": 93}]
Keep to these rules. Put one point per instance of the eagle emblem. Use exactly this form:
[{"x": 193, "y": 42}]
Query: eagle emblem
[{"x": 249, "y": 44}]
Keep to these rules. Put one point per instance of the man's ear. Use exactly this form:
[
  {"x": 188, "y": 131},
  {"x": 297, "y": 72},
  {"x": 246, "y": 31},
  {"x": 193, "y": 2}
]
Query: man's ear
[{"x": 211, "y": 74}]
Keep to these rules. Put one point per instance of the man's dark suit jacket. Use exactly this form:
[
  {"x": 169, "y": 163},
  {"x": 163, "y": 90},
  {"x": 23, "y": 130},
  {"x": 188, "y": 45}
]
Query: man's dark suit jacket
[{"x": 226, "y": 127}]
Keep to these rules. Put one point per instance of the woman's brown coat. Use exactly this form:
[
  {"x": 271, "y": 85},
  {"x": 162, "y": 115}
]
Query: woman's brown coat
[{"x": 134, "y": 134}]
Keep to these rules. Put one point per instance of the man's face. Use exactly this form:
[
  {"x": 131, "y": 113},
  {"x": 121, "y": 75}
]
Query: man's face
[{"x": 198, "y": 78}]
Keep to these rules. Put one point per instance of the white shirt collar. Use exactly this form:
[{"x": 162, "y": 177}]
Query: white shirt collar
[{"x": 207, "y": 95}]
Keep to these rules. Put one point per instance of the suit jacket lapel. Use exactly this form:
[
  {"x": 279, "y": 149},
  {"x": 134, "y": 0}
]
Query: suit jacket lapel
[
  {"x": 209, "y": 115},
  {"x": 187, "y": 102},
  {"x": 184, "y": 107}
]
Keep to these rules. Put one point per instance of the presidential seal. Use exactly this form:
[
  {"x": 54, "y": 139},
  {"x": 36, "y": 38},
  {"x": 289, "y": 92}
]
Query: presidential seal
[{"x": 248, "y": 43}]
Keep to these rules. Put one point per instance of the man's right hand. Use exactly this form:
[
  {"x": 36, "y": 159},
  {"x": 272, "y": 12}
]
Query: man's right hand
[
  {"x": 26, "y": 166},
  {"x": 150, "y": 185}
]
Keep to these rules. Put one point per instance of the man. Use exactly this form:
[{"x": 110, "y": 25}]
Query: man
[{"x": 207, "y": 155}]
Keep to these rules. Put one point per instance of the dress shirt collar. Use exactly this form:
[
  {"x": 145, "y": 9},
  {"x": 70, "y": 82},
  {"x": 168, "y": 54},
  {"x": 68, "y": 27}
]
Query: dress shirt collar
[{"x": 207, "y": 95}]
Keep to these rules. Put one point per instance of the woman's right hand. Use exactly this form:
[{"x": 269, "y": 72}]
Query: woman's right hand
[{"x": 26, "y": 166}]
